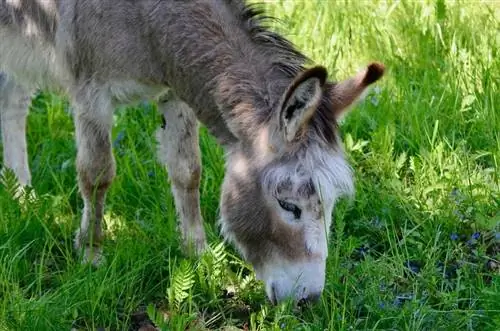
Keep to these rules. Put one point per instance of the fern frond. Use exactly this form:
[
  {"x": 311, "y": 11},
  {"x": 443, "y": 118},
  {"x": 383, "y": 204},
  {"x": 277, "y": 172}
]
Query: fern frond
[{"x": 181, "y": 284}]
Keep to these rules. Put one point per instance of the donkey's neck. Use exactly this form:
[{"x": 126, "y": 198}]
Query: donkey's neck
[
  {"x": 248, "y": 93},
  {"x": 231, "y": 71}
]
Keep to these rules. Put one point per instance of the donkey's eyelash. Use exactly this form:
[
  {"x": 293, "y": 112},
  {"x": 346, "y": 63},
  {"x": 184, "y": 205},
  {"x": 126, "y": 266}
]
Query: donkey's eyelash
[{"x": 291, "y": 208}]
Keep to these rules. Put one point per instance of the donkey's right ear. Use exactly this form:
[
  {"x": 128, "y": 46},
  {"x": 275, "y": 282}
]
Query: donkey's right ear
[{"x": 300, "y": 101}]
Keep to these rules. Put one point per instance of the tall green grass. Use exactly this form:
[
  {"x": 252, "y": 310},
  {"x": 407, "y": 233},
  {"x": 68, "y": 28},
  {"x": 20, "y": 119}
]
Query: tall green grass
[{"x": 417, "y": 249}]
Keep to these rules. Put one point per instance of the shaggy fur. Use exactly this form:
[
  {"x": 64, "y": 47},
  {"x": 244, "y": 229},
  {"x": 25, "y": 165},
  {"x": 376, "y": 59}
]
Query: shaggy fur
[{"x": 250, "y": 87}]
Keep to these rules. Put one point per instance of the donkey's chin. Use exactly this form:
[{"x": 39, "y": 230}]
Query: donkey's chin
[{"x": 299, "y": 282}]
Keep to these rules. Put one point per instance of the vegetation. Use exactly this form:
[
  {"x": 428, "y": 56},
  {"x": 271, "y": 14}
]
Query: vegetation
[{"x": 417, "y": 249}]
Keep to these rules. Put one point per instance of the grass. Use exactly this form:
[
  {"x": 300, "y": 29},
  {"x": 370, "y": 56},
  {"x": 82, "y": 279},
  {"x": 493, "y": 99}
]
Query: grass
[{"x": 418, "y": 248}]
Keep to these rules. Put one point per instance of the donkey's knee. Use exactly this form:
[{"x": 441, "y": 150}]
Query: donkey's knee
[
  {"x": 185, "y": 175},
  {"x": 95, "y": 171},
  {"x": 95, "y": 161},
  {"x": 178, "y": 145}
]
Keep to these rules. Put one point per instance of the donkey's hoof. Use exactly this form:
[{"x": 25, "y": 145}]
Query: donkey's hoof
[
  {"x": 195, "y": 246},
  {"x": 194, "y": 242},
  {"x": 93, "y": 255}
]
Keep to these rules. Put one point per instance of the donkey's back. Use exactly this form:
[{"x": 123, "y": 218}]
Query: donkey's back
[{"x": 54, "y": 43}]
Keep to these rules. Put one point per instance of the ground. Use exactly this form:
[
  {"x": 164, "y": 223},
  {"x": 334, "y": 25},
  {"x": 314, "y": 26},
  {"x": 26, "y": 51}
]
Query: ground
[{"x": 417, "y": 249}]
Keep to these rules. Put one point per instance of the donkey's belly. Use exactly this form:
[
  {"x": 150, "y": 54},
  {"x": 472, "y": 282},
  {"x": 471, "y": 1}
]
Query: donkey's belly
[
  {"x": 126, "y": 92},
  {"x": 31, "y": 61}
]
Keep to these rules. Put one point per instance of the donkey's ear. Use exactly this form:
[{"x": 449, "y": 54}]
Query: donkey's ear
[
  {"x": 343, "y": 94},
  {"x": 300, "y": 101}
]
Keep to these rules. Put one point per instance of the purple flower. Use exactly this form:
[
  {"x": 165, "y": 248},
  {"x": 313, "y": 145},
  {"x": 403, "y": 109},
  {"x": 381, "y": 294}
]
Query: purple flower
[
  {"x": 414, "y": 266},
  {"x": 497, "y": 236},
  {"x": 456, "y": 196},
  {"x": 398, "y": 302},
  {"x": 454, "y": 236},
  {"x": 472, "y": 242},
  {"x": 363, "y": 250}
]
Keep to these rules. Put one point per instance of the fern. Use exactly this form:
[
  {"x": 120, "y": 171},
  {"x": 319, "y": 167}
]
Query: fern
[
  {"x": 24, "y": 195},
  {"x": 211, "y": 270},
  {"x": 218, "y": 260},
  {"x": 9, "y": 182},
  {"x": 157, "y": 317},
  {"x": 181, "y": 284},
  {"x": 247, "y": 281}
]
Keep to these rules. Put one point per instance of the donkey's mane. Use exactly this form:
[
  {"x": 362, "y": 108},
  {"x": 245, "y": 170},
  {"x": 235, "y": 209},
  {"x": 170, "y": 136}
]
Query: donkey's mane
[{"x": 289, "y": 60}]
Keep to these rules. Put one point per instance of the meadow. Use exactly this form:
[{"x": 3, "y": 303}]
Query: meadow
[{"x": 418, "y": 248}]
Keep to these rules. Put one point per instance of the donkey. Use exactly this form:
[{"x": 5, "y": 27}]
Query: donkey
[{"x": 210, "y": 61}]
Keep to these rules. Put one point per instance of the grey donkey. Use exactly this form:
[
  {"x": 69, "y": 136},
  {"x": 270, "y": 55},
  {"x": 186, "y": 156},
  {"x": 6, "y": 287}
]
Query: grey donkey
[{"x": 276, "y": 119}]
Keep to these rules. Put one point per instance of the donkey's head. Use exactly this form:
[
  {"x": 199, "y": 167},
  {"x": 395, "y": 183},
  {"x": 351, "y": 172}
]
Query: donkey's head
[{"x": 280, "y": 187}]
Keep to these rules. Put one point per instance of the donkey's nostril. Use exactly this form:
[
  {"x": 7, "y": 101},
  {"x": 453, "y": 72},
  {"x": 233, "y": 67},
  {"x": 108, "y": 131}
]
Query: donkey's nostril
[
  {"x": 274, "y": 298},
  {"x": 302, "y": 302},
  {"x": 311, "y": 299}
]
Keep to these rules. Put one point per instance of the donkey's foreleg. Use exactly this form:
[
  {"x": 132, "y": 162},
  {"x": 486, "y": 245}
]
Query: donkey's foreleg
[
  {"x": 14, "y": 106},
  {"x": 96, "y": 168},
  {"x": 179, "y": 150}
]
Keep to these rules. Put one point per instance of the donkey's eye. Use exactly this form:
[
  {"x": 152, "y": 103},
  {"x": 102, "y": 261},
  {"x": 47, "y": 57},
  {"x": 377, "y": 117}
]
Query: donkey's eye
[{"x": 291, "y": 208}]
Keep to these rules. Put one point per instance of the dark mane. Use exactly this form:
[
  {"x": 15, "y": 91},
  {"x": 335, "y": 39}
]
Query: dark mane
[{"x": 288, "y": 59}]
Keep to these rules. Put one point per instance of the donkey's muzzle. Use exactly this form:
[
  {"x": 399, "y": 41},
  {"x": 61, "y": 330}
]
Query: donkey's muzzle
[{"x": 310, "y": 300}]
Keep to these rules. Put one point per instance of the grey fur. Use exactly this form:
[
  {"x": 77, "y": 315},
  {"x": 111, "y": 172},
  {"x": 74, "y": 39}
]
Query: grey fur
[{"x": 247, "y": 85}]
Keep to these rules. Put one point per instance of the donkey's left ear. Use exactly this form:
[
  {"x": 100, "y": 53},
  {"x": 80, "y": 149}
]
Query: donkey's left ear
[
  {"x": 344, "y": 94},
  {"x": 300, "y": 101}
]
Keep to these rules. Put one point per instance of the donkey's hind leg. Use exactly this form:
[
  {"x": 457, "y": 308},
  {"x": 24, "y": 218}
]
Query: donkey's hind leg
[
  {"x": 179, "y": 150},
  {"x": 93, "y": 114},
  {"x": 14, "y": 107}
]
